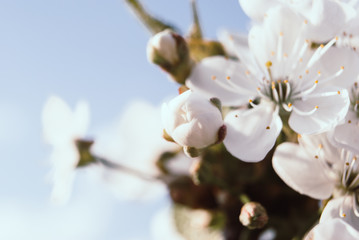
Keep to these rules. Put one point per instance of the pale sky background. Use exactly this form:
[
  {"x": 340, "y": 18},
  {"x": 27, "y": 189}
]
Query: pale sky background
[{"x": 79, "y": 49}]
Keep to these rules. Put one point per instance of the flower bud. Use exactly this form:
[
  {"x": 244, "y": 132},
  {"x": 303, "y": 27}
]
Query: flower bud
[
  {"x": 253, "y": 215},
  {"x": 163, "y": 44},
  {"x": 192, "y": 121},
  {"x": 169, "y": 51}
]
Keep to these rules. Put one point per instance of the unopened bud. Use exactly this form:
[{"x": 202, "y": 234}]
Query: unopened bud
[
  {"x": 169, "y": 51},
  {"x": 253, "y": 215},
  {"x": 164, "y": 45},
  {"x": 193, "y": 121}
]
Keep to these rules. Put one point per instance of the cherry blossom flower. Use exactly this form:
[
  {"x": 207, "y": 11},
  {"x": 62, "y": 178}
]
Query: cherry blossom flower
[
  {"x": 281, "y": 78},
  {"x": 62, "y": 127},
  {"x": 316, "y": 168}
]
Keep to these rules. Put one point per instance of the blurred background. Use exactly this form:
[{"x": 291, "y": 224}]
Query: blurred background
[{"x": 79, "y": 49}]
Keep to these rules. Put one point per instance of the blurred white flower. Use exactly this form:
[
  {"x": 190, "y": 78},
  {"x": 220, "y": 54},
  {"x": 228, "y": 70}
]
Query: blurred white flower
[
  {"x": 318, "y": 169},
  {"x": 192, "y": 120},
  {"x": 135, "y": 141},
  {"x": 325, "y": 18},
  {"x": 62, "y": 127},
  {"x": 285, "y": 75}
]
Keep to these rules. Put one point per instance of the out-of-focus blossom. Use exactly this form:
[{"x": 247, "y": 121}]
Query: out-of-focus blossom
[
  {"x": 192, "y": 120},
  {"x": 135, "y": 141},
  {"x": 316, "y": 168},
  {"x": 62, "y": 127},
  {"x": 284, "y": 75},
  {"x": 333, "y": 230},
  {"x": 325, "y": 19}
]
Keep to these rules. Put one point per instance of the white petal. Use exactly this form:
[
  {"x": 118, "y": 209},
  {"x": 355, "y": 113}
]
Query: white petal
[
  {"x": 252, "y": 133},
  {"x": 342, "y": 208},
  {"x": 320, "y": 145},
  {"x": 57, "y": 121},
  {"x": 210, "y": 78},
  {"x": 346, "y": 135},
  {"x": 256, "y": 9},
  {"x": 81, "y": 119},
  {"x": 323, "y": 25},
  {"x": 331, "y": 110},
  {"x": 64, "y": 159},
  {"x": 333, "y": 60},
  {"x": 301, "y": 171},
  {"x": 334, "y": 229},
  {"x": 276, "y": 41}
]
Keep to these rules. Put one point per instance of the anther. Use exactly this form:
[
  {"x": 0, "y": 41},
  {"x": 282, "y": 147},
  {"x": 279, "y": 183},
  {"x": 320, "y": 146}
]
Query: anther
[
  {"x": 307, "y": 71},
  {"x": 268, "y": 127},
  {"x": 338, "y": 92},
  {"x": 213, "y": 77},
  {"x": 228, "y": 78},
  {"x": 268, "y": 64},
  {"x": 349, "y": 121},
  {"x": 316, "y": 156}
]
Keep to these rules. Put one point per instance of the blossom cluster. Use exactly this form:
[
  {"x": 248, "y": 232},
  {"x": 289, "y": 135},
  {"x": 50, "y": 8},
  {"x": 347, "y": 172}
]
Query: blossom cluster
[
  {"x": 286, "y": 91},
  {"x": 295, "y": 72}
]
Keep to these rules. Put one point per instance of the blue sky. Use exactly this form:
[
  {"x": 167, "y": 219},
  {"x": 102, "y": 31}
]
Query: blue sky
[{"x": 78, "y": 49}]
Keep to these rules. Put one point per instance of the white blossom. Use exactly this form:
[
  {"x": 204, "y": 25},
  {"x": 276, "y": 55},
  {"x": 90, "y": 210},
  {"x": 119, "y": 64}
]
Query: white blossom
[
  {"x": 285, "y": 75},
  {"x": 318, "y": 169},
  {"x": 135, "y": 141},
  {"x": 61, "y": 127}
]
